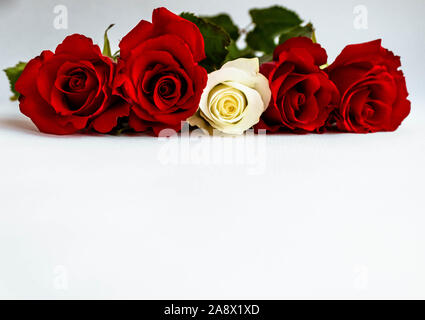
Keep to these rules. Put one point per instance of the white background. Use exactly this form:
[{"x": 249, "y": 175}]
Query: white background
[{"x": 301, "y": 216}]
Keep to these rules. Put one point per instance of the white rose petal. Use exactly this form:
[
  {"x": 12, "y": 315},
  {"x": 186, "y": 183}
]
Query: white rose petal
[{"x": 234, "y": 98}]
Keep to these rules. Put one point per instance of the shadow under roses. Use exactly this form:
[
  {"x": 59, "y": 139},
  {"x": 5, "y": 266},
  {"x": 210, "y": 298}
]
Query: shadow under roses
[
  {"x": 20, "y": 125},
  {"x": 25, "y": 126}
]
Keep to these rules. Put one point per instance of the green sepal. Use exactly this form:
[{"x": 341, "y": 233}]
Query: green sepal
[
  {"x": 106, "y": 44},
  {"x": 116, "y": 55}
]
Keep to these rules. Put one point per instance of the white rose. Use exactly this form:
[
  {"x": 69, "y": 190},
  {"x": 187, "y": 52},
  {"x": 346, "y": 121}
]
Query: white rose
[{"x": 234, "y": 99}]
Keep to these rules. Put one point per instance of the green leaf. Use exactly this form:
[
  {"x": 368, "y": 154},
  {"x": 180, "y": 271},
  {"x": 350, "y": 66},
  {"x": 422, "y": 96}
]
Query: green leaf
[
  {"x": 216, "y": 42},
  {"x": 275, "y": 15},
  {"x": 298, "y": 31},
  {"x": 13, "y": 74},
  {"x": 122, "y": 127},
  {"x": 269, "y": 24},
  {"x": 266, "y": 58},
  {"x": 223, "y": 20},
  {"x": 260, "y": 40},
  {"x": 236, "y": 53},
  {"x": 106, "y": 45}
]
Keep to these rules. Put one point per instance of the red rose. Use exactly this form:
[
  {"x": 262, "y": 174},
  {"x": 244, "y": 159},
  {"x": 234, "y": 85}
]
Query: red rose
[
  {"x": 373, "y": 90},
  {"x": 158, "y": 71},
  {"x": 302, "y": 94},
  {"x": 69, "y": 90}
]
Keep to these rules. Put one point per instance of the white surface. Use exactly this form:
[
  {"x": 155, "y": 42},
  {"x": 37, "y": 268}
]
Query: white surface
[{"x": 324, "y": 216}]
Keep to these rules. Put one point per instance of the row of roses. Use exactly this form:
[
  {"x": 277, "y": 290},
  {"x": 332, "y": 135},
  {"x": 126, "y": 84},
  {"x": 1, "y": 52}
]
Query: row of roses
[{"x": 159, "y": 80}]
